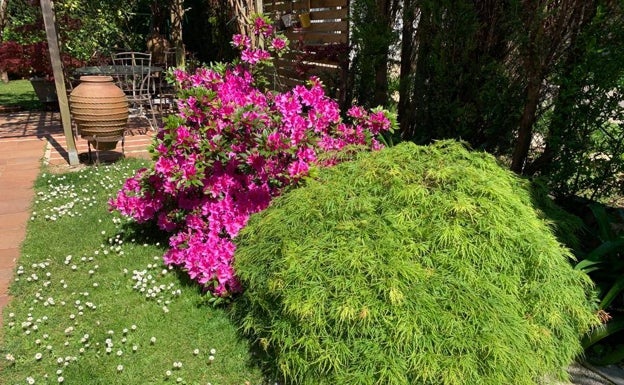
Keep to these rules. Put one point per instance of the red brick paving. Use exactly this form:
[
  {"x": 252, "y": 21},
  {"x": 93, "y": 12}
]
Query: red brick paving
[{"x": 28, "y": 140}]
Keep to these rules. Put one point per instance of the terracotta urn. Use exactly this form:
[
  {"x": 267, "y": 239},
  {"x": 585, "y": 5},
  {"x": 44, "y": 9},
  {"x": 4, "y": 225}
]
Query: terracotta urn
[{"x": 100, "y": 110}]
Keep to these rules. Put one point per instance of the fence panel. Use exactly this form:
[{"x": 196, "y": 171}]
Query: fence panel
[{"x": 320, "y": 49}]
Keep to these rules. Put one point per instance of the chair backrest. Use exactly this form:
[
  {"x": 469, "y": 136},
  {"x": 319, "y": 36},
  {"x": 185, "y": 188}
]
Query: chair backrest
[
  {"x": 170, "y": 58},
  {"x": 133, "y": 74}
]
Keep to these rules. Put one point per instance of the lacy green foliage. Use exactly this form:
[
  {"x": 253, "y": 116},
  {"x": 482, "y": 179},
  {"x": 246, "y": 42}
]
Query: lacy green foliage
[
  {"x": 413, "y": 265},
  {"x": 566, "y": 225}
]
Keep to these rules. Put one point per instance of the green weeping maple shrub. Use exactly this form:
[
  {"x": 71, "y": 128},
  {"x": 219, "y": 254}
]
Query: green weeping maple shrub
[{"x": 412, "y": 265}]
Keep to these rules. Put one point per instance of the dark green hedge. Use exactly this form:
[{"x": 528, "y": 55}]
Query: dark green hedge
[{"x": 411, "y": 265}]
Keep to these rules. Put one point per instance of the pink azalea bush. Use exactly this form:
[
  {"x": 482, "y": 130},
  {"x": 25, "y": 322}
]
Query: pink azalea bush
[{"x": 231, "y": 149}]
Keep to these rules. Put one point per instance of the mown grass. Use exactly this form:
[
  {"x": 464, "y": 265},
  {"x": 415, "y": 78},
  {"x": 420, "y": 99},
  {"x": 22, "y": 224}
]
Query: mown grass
[
  {"x": 19, "y": 93},
  {"x": 93, "y": 303}
]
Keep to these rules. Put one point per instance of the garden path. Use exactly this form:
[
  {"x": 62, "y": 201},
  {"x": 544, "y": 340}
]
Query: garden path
[{"x": 28, "y": 140}]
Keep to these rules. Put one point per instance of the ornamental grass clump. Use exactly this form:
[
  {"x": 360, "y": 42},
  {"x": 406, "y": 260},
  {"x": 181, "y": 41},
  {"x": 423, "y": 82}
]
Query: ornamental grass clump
[{"x": 411, "y": 265}]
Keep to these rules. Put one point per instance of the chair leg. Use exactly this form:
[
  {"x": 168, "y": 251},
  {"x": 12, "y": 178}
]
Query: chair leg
[
  {"x": 153, "y": 122},
  {"x": 97, "y": 152},
  {"x": 89, "y": 149}
]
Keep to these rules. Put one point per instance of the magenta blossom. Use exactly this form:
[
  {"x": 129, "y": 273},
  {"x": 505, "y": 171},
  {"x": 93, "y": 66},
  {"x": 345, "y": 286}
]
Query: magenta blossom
[
  {"x": 231, "y": 149},
  {"x": 262, "y": 26},
  {"x": 254, "y": 56},
  {"x": 278, "y": 44},
  {"x": 241, "y": 41}
]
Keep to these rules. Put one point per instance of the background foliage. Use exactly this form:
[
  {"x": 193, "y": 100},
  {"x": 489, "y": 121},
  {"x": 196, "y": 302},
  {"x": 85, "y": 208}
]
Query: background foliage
[
  {"x": 372, "y": 41},
  {"x": 460, "y": 87},
  {"x": 602, "y": 257},
  {"x": 583, "y": 126},
  {"x": 89, "y": 29},
  {"x": 85, "y": 27},
  {"x": 536, "y": 82}
]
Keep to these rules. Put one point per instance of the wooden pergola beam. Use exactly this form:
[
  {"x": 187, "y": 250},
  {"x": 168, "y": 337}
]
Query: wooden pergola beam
[{"x": 59, "y": 79}]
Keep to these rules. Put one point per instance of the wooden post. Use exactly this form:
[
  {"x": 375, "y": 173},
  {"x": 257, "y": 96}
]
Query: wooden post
[
  {"x": 177, "y": 13},
  {"x": 59, "y": 79}
]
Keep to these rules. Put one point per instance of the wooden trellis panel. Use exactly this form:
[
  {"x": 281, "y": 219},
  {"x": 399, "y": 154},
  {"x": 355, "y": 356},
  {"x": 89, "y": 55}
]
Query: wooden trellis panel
[{"x": 321, "y": 49}]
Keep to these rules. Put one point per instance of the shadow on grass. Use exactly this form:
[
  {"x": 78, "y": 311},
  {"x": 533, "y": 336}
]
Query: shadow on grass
[{"x": 262, "y": 355}]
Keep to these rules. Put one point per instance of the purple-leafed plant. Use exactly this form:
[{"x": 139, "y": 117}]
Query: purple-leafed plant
[
  {"x": 232, "y": 148},
  {"x": 31, "y": 60}
]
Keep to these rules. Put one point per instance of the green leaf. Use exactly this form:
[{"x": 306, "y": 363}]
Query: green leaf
[
  {"x": 587, "y": 265},
  {"x": 613, "y": 326},
  {"x": 605, "y": 232},
  {"x": 605, "y": 249},
  {"x": 615, "y": 290}
]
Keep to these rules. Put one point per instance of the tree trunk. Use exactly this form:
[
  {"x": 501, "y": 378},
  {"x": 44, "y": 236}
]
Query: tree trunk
[
  {"x": 4, "y": 76},
  {"x": 525, "y": 127},
  {"x": 563, "y": 100},
  {"x": 550, "y": 28},
  {"x": 380, "y": 97},
  {"x": 408, "y": 45},
  {"x": 242, "y": 11},
  {"x": 177, "y": 13},
  {"x": 420, "y": 41},
  {"x": 3, "y": 17}
]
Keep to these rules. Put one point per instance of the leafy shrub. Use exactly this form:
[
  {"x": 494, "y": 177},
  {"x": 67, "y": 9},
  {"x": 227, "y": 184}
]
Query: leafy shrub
[
  {"x": 411, "y": 265},
  {"x": 229, "y": 151},
  {"x": 31, "y": 60},
  {"x": 584, "y": 129},
  {"x": 604, "y": 262}
]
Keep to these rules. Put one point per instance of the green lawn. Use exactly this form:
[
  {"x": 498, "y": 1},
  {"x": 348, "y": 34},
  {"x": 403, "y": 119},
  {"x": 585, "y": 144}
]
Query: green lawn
[
  {"x": 19, "y": 93},
  {"x": 93, "y": 303}
]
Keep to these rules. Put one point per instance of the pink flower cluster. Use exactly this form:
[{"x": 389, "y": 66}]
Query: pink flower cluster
[
  {"x": 277, "y": 43},
  {"x": 229, "y": 151}
]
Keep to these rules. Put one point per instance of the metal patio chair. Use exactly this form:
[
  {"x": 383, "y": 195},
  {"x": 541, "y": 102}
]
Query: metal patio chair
[
  {"x": 133, "y": 75},
  {"x": 165, "y": 91}
]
